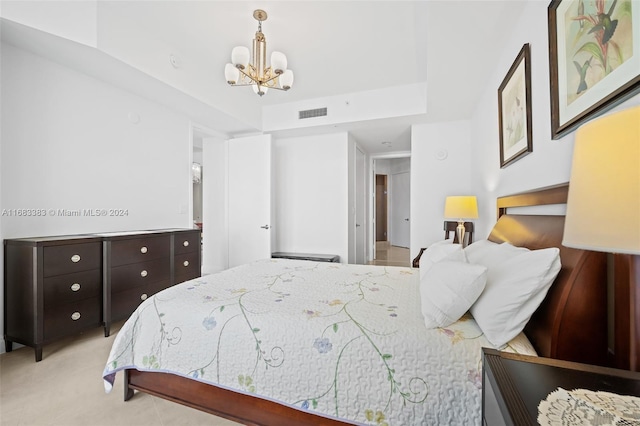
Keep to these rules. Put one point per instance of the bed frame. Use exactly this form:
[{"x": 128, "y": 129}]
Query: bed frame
[{"x": 571, "y": 323}]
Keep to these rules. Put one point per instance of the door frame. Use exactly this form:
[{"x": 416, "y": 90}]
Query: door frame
[
  {"x": 378, "y": 227},
  {"x": 371, "y": 191}
]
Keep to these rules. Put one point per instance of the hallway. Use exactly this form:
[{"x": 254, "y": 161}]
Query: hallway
[{"x": 388, "y": 255}]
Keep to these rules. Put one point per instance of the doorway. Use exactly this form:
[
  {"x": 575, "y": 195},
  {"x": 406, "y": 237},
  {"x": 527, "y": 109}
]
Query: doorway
[
  {"x": 391, "y": 221},
  {"x": 196, "y": 177},
  {"x": 381, "y": 207}
]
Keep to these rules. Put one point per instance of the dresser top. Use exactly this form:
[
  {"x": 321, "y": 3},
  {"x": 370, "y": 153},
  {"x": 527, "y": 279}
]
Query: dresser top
[
  {"x": 133, "y": 234},
  {"x": 63, "y": 239},
  {"x": 58, "y": 239}
]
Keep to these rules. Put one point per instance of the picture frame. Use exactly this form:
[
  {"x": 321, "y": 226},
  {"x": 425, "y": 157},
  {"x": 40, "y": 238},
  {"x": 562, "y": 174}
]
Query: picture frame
[
  {"x": 594, "y": 59},
  {"x": 514, "y": 110}
]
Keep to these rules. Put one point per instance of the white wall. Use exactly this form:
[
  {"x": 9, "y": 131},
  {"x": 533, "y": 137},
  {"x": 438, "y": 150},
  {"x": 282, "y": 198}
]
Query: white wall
[
  {"x": 433, "y": 178},
  {"x": 74, "y": 20},
  {"x": 215, "y": 256},
  {"x": 550, "y": 161},
  {"x": 72, "y": 142},
  {"x": 311, "y": 185},
  {"x": 2, "y": 88},
  {"x": 397, "y": 101}
]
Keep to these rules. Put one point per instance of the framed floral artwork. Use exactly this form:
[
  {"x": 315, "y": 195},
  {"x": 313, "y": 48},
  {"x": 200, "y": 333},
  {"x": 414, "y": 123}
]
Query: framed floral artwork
[
  {"x": 514, "y": 110},
  {"x": 594, "y": 58}
]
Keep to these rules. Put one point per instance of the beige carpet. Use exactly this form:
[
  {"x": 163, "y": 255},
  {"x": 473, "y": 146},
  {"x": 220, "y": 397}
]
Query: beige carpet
[{"x": 66, "y": 388}]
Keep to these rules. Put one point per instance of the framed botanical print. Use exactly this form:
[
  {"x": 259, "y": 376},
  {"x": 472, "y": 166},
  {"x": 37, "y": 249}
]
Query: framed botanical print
[
  {"x": 514, "y": 110},
  {"x": 594, "y": 58}
]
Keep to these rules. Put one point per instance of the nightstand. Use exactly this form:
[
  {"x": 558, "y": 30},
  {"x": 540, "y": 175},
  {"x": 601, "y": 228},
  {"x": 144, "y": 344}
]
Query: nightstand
[{"x": 513, "y": 385}]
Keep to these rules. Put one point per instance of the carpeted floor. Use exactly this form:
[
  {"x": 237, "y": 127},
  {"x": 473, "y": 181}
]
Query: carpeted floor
[{"x": 66, "y": 388}]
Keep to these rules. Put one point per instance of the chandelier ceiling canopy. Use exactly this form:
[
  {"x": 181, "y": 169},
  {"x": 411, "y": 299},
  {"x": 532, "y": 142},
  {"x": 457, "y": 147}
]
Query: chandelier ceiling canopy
[{"x": 241, "y": 72}]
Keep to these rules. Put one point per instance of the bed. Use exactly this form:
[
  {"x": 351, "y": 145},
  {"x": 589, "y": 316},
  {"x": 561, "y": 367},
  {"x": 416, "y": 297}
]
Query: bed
[{"x": 358, "y": 335}]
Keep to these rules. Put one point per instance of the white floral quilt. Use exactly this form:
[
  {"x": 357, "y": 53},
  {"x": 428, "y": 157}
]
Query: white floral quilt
[{"x": 341, "y": 341}]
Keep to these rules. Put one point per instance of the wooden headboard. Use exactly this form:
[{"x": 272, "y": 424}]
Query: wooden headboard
[{"x": 571, "y": 322}]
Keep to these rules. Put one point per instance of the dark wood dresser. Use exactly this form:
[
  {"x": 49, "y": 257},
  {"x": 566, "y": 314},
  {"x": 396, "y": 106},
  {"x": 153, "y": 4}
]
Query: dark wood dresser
[
  {"x": 186, "y": 255},
  {"x": 59, "y": 286},
  {"x": 53, "y": 288},
  {"x": 514, "y": 385},
  {"x": 138, "y": 265}
]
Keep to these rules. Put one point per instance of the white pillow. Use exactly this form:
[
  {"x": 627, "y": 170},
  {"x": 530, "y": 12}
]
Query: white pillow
[
  {"x": 448, "y": 289},
  {"x": 437, "y": 252},
  {"x": 517, "y": 281},
  {"x": 477, "y": 251}
]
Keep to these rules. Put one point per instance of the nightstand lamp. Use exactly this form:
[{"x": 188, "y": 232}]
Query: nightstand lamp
[
  {"x": 461, "y": 208},
  {"x": 603, "y": 214}
]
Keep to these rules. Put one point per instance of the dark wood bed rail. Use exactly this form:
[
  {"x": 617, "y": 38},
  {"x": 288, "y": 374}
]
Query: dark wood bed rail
[{"x": 221, "y": 402}]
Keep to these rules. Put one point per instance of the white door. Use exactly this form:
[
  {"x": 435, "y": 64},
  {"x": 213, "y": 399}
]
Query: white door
[
  {"x": 360, "y": 207},
  {"x": 249, "y": 199},
  {"x": 399, "y": 206}
]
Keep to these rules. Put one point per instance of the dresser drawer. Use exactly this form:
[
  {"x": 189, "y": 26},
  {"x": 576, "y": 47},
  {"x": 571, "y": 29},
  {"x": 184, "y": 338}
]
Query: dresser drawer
[
  {"x": 70, "y": 258},
  {"x": 186, "y": 266},
  {"x": 124, "y": 303},
  {"x": 135, "y": 250},
  {"x": 72, "y": 287},
  {"x": 186, "y": 242},
  {"x": 156, "y": 287},
  {"x": 69, "y": 318},
  {"x": 139, "y": 274}
]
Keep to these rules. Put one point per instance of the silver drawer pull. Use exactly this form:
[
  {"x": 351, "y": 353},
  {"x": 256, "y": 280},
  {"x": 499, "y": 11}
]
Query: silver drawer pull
[
  {"x": 75, "y": 258},
  {"x": 143, "y": 296},
  {"x": 75, "y": 287},
  {"x": 75, "y": 316},
  {"x": 185, "y": 243},
  {"x": 143, "y": 250},
  {"x": 185, "y": 263},
  {"x": 143, "y": 273}
]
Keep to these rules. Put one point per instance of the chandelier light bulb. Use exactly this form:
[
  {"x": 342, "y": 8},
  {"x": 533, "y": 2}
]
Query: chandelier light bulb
[
  {"x": 240, "y": 57},
  {"x": 286, "y": 80},
  {"x": 259, "y": 90},
  {"x": 278, "y": 62},
  {"x": 231, "y": 73}
]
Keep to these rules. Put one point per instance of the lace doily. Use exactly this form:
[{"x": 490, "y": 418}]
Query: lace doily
[{"x": 581, "y": 407}]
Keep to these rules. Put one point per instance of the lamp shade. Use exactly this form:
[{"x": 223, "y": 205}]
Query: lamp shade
[
  {"x": 461, "y": 207},
  {"x": 603, "y": 206},
  {"x": 196, "y": 172}
]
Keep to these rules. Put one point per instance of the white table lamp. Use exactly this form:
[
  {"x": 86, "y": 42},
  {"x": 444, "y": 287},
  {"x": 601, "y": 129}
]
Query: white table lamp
[
  {"x": 461, "y": 208},
  {"x": 603, "y": 214}
]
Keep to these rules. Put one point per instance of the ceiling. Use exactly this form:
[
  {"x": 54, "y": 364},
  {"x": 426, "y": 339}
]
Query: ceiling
[{"x": 333, "y": 47}]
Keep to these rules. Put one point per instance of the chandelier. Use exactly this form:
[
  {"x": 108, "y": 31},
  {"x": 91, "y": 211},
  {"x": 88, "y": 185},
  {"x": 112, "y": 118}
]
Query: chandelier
[{"x": 256, "y": 74}]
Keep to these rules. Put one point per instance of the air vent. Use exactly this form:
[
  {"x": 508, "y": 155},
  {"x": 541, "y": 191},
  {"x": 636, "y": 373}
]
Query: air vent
[{"x": 310, "y": 113}]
